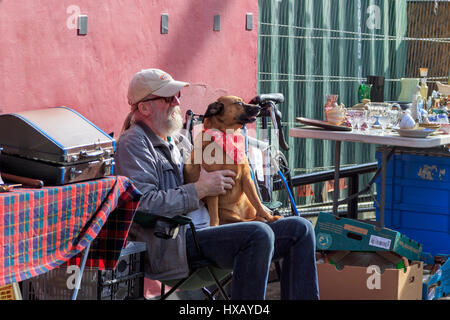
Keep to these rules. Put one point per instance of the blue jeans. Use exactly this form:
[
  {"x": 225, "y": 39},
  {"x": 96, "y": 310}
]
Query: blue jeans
[{"x": 249, "y": 247}]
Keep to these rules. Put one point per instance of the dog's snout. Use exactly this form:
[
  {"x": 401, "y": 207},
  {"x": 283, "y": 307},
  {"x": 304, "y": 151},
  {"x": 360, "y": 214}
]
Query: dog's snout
[{"x": 251, "y": 109}]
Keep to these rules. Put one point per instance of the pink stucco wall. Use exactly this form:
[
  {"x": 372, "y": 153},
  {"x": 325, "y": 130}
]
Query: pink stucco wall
[{"x": 43, "y": 63}]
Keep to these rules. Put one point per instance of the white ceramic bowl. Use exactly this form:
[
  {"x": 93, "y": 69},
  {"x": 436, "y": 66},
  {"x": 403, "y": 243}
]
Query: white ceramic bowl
[{"x": 443, "y": 88}]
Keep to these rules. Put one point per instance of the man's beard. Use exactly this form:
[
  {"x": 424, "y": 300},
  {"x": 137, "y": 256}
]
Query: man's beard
[{"x": 171, "y": 122}]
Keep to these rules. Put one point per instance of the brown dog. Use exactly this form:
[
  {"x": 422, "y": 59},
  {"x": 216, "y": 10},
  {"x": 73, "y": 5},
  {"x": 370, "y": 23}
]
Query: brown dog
[{"x": 220, "y": 149}]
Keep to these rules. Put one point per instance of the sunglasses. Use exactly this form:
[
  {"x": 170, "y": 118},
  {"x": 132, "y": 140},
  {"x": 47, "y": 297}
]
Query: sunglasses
[{"x": 166, "y": 99}]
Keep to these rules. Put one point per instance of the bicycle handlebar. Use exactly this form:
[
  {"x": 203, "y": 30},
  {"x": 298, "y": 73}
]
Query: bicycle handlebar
[
  {"x": 268, "y": 103},
  {"x": 264, "y": 98}
]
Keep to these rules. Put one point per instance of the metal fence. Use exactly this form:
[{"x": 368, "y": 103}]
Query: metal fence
[{"x": 311, "y": 48}]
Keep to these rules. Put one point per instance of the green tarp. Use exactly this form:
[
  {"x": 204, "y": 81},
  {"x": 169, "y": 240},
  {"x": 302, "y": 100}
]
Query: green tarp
[{"x": 310, "y": 48}]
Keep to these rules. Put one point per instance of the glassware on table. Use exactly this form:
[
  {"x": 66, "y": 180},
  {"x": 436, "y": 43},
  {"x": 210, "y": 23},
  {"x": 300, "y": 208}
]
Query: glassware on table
[
  {"x": 360, "y": 121},
  {"x": 369, "y": 119},
  {"x": 349, "y": 117},
  {"x": 384, "y": 119},
  {"x": 356, "y": 118},
  {"x": 394, "y": 118},
  {"x": 364, "y": 91},
  {"x": 372, "y": 117}
]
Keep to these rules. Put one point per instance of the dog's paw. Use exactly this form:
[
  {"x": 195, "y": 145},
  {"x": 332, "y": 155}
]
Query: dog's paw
[
  {"x": 274, "y": 218},
  {"x": 214, "y": 223},
  {"x": 268, "y": 215}
]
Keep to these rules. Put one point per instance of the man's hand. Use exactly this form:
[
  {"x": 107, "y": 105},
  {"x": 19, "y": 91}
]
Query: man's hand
[{"x": 214, "y": 183}]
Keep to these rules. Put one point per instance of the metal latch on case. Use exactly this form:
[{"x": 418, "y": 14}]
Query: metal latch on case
[
  {"x": 107, "y": 167},
  {"x": 74, "y": 172}
]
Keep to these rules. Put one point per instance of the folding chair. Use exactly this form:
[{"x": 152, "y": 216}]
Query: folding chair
[{"x": 199, "y": 277}]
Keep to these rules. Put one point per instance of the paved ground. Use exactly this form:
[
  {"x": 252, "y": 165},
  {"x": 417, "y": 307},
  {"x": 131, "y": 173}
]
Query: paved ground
[{"x": 273, "y": 291}]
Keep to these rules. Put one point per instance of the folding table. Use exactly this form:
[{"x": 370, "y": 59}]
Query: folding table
[
  {"x": 388, "y": 139},
  {"x": 42, "y": 229}
]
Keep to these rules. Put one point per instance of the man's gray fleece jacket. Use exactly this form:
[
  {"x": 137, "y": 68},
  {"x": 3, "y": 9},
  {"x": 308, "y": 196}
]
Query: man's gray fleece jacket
[{"x": 151, "y": 164}]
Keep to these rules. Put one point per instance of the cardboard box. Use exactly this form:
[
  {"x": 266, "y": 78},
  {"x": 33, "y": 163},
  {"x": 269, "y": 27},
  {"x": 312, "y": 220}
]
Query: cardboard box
[
  {"x": 335, "y": 233},
  {"x": 383, "y": 259},
  {"x": 10, "y": 292},
  {"x": 372, "y": 282}
]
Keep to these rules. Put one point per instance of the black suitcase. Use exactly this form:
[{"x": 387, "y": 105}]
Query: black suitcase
[{"x": 55, "y": 145}]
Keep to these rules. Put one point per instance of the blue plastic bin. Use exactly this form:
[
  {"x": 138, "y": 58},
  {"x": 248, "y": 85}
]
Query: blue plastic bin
[{"x": 418, "y": 197}]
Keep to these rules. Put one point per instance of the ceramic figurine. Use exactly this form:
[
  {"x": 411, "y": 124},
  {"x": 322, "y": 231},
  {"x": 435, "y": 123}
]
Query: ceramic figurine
[
  {"x": 416, "y": 98},
  {"x": 407, "y": 122},
  {"x": 334, "y": 113},
  {"x": 331, "y": 102},
  {"x": 423, "y": 83},
  {"x": 429, "y": 103}
]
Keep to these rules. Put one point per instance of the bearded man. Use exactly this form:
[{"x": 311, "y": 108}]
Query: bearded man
[{"x": 147, "y": 153}]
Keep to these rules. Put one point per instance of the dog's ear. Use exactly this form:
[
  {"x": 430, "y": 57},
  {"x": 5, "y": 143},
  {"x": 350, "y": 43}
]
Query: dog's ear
[{"x": 215, "y": 108}]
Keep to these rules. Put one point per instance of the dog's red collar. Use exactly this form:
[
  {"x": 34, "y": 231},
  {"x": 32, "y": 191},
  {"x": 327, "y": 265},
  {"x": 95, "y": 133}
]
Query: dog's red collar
[{"x": 232, "y": 143}]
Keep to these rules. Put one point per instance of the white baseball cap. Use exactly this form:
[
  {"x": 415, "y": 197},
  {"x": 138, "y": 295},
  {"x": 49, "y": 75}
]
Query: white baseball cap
[{"x": 153, "y": 81}]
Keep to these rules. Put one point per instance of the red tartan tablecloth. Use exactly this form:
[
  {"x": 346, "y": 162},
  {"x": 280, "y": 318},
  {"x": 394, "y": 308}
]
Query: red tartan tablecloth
[{"x": 41, "y": 229}]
